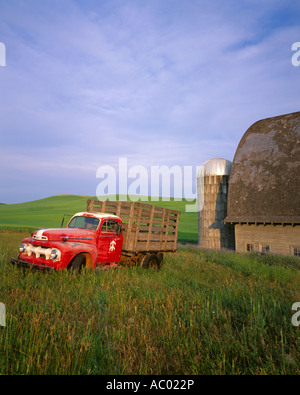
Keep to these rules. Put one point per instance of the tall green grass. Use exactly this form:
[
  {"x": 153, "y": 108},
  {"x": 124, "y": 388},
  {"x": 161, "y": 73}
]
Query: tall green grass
[{"x": 204, "y": 312}]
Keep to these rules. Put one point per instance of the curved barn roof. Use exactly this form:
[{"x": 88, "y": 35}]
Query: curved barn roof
[{"x": 264, "y": 183}]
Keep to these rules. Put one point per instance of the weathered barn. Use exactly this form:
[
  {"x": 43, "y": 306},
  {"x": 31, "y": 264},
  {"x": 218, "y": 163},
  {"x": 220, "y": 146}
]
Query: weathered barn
[{"x": 264, "y": 187}]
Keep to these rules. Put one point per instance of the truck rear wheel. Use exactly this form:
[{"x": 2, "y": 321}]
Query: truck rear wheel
[
  {"x": 78, "y": 263},
  {"x": 151, "y": 261}
]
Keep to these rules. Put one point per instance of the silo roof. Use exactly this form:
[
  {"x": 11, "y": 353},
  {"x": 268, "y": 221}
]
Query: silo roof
[
  {"x": 215, "y": 167},
  {"x": 264, "y": 182}
]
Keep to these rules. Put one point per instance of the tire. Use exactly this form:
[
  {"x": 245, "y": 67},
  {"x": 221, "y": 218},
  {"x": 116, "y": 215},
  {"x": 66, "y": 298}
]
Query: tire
[
  {"x": 161, "y": 258},
  {"x": 78, "y": 263},
  {"x": 151, "y": 261}
]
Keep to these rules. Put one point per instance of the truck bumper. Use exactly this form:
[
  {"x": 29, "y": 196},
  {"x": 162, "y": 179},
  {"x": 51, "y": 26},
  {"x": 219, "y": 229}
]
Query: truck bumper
[{"x": 28, "y": 265}]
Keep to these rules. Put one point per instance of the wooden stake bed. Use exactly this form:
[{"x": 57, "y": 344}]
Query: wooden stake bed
[{"x": 146, "y": 228}]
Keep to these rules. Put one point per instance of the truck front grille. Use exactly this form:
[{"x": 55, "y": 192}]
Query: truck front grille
[{"x": 39, "y": 251}]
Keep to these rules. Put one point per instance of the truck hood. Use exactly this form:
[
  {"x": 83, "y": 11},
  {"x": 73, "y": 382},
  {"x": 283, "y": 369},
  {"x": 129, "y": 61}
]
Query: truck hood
[{"x": 64, "y": 234}]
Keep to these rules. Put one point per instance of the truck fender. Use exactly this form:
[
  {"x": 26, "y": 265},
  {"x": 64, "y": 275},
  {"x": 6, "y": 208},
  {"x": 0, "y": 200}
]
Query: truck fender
[
  {"x": 88, "y": 251},
  {"x": 89, "y": 261}
]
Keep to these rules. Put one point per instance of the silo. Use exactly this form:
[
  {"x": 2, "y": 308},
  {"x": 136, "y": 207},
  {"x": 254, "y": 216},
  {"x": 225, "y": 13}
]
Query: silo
[{"x": 212, "y": 190}]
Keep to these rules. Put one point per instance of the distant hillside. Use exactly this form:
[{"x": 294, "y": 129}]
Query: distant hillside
[{"x": 48, "y": 213}]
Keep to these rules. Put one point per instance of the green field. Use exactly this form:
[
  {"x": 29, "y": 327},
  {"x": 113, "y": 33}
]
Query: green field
[
  {"x": 204, "y": 312},
  {"x": 48, "y": 212}
]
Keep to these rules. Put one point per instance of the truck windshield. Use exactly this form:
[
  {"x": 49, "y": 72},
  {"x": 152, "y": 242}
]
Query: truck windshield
[{"x": 84, "y": 223}]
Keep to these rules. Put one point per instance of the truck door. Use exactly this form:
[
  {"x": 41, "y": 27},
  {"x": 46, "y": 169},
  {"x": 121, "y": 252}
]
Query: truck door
[{"x": 110, "y": 242}]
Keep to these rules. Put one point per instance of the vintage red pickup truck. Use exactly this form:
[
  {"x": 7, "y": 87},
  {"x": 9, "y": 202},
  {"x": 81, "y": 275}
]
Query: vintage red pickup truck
[{"x": 106, "y": 235}]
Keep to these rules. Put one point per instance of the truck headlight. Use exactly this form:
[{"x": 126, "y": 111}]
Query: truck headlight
[
  {"x": 22, "y": 247},
  {"x": 54, "y": 254}
]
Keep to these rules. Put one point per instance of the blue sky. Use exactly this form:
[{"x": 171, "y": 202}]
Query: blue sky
[{"x": 159, "y": 82}]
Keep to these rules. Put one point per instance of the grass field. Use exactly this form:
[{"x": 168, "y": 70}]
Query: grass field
[{"x": 204, "y": 312}]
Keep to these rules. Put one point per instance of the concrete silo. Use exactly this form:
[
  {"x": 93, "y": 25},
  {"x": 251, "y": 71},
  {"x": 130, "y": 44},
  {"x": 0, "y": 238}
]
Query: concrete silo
[{"x": 212, "y": 190}]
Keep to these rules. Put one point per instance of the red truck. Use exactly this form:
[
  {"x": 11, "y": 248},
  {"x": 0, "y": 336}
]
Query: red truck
[{"x": 107, "y": 234}]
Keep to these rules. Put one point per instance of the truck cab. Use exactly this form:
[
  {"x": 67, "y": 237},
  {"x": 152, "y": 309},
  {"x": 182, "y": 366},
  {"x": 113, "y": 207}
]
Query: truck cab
[{"x": 89, "y": 239}]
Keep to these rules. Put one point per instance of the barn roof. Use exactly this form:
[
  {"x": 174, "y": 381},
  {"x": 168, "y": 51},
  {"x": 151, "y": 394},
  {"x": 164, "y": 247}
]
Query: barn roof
[{"x": 264, "y": 183}]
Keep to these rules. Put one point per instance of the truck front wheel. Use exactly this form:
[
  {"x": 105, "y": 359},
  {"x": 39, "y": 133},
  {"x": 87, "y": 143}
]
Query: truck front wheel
[{"x": 78, "y": 263}]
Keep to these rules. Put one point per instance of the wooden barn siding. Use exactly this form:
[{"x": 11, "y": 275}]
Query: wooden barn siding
[{"x": 281, "y": 238}]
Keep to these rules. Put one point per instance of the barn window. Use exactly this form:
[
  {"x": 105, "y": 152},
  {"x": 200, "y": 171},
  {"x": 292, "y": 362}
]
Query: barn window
[
  {"x": 297, "y": 251},
  {"x": 265, "y": 248},
  {"x": 249, "y": 247}
]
